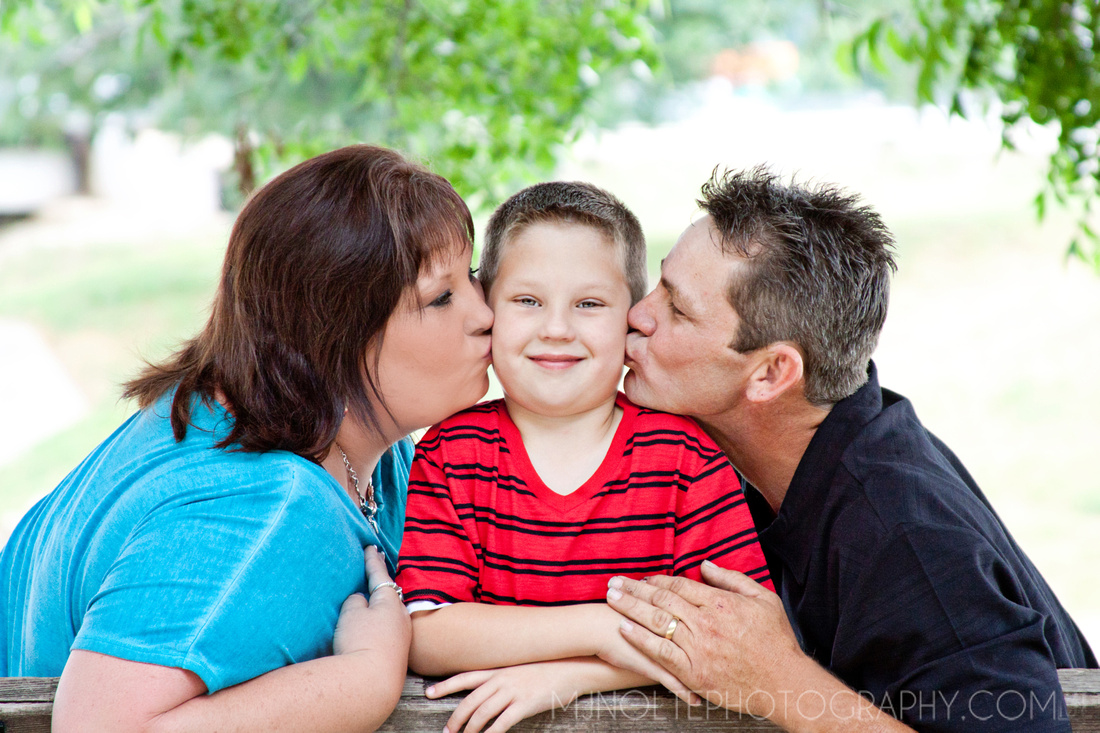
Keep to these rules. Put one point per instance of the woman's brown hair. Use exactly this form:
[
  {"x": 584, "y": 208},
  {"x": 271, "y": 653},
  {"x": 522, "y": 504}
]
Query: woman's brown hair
[{"x": 317, "y": 262}]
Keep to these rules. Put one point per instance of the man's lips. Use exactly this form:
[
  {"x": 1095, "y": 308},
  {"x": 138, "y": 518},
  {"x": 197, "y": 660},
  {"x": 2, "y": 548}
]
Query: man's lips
[{"x": 555, "y": 361}]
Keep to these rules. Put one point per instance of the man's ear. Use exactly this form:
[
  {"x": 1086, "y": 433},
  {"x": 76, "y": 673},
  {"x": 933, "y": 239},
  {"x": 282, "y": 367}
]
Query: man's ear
[{"x": 780, "y": 368}]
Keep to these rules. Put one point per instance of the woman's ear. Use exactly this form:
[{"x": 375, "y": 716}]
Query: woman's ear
[{"x": 780, "y": 368}]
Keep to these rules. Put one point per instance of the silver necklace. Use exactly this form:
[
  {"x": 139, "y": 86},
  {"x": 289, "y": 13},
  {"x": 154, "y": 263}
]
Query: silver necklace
[{"x": 367, "y": 504}]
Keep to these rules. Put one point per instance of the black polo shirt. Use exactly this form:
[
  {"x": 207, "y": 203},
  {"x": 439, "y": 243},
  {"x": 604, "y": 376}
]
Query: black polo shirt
[{"x": 900, "y": 578}]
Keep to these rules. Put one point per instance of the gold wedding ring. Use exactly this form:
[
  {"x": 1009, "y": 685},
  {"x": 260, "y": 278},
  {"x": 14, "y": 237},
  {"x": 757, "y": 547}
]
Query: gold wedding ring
[{"x": 671, "y": 628}]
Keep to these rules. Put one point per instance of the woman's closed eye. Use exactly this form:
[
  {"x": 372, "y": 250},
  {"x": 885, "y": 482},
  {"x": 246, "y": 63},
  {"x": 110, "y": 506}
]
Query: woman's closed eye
[{"x": 444, "y": 299}]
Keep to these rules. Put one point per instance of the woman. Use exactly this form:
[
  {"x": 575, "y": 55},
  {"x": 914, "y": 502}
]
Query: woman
[{"x": 209, "y": 542}]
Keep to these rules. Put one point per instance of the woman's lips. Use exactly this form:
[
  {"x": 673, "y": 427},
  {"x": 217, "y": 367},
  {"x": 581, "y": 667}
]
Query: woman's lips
[{"x": 555, "y": 361}]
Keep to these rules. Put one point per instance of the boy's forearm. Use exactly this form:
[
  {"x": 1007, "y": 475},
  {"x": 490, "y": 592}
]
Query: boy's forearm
[
  {"x": 595, "y": 675},
  {"x": 468, "y": 636}
]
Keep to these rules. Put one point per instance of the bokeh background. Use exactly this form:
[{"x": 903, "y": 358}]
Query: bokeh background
[{"x": 130, "y": 133}]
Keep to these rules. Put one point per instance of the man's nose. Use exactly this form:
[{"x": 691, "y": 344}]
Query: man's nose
[{"x": 640, "y": 319}]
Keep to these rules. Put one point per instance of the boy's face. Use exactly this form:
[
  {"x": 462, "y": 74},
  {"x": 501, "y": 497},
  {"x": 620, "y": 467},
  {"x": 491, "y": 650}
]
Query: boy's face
[{"x": 559, "y": 301}]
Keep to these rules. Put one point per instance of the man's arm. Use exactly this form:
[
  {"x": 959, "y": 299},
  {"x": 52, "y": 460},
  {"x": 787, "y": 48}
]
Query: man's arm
[
  {"x": 734, "y": 647},
  {"x": 354, "y": 690}
]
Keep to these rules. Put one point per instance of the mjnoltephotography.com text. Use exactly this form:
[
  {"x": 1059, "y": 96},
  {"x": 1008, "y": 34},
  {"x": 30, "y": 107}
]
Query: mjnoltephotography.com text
[{"x": 983, "y": 706}]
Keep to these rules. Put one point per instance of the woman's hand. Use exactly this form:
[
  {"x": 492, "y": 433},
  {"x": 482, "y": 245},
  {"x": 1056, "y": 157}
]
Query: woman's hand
[
  {"x": 511, "y": 694},
  {"x": 380, "y": 625}
]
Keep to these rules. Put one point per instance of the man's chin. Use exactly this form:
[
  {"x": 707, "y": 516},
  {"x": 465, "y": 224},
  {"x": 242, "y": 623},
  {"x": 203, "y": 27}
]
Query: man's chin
[{"x": 632, "y": 387}]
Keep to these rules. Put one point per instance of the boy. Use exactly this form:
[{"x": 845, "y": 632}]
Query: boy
[{"x": 520, "y": 510}]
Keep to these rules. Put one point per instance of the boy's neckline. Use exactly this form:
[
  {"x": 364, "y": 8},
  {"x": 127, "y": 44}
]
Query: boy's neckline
[{"x": 594, "y": 483}]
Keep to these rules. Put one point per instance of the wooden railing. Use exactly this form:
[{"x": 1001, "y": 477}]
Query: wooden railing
[{"x": 26, "y": 704}]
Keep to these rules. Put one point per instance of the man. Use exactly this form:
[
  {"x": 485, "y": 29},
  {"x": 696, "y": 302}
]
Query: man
[{"x": 899, "y": 580}]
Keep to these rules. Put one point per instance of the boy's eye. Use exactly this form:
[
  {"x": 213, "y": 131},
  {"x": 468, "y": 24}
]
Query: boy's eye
[
  {"x": 526, "y": 300},
  {"x": 443, "y": 299},
  {"x": 589, "y": 304}
]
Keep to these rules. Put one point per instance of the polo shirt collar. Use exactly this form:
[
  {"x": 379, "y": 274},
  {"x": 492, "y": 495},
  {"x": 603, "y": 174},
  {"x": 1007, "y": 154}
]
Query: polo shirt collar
[{"x": 794, "y": 534}]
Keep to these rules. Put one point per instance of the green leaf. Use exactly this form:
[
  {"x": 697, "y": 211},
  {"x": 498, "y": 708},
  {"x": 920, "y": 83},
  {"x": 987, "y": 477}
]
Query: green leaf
[
  {"x": 874, "y": 41},
  {"x": 82, "y": 16},
  {"x": 897, "y": 44},
  {"x": 298, "y": 66}
]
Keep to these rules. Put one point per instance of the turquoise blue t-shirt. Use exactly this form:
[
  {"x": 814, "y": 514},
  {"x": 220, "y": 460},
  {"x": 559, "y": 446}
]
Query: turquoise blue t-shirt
[{"x": 227, "y": 564}]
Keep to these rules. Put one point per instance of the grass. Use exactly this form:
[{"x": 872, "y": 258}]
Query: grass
[{"x": 103, "y": 309}]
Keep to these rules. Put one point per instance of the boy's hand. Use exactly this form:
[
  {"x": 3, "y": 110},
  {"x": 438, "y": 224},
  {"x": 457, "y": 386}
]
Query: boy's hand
[{"x": 508, "y": 694}]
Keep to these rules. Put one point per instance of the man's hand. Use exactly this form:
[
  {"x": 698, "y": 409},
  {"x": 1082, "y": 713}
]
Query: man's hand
[
  {"x": 729, "y": 640},
  {"x": 620, "y": 652},
  {"x": 732, "y": 644}
]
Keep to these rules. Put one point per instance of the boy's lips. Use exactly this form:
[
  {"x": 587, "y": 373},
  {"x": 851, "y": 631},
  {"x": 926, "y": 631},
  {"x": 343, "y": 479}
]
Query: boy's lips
[{"x": 555, "y": 361}]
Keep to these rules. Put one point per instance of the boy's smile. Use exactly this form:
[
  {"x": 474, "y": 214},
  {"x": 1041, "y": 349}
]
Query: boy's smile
[
  {"x": 560, "y": 300},
  {"x": 555, "y": 361}
]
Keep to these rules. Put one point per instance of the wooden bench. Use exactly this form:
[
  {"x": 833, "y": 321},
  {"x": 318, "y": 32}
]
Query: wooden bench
[{"x": 26, "y": 703}]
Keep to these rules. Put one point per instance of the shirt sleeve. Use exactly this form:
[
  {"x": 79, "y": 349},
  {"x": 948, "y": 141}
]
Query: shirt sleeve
[
  {"x": 938, "y": 631},
  {"x": 439, "y": 562},
  {"x": 230, "y": 584},
  {"x": 713, "y": 521}
]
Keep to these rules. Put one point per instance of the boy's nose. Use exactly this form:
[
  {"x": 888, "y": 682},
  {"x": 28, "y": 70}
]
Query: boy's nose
[{"x": 556, "y": 325}]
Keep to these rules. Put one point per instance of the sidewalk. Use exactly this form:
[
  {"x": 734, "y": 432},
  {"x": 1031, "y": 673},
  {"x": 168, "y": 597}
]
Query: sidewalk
[{"x": 38, "y": 399}]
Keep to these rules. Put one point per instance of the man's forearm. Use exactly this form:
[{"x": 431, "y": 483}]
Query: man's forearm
[
  {"x": 468, "y": 636},
  {"x": 806, "y": 698}
]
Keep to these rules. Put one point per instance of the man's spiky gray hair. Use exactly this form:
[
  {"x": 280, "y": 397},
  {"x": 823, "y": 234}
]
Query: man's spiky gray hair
[{"x": 818, "y": 273}]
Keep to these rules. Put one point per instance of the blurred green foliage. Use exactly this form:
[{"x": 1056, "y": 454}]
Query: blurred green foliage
[
  {"x": 484, "y": 93},
  {"x": 1033, "y": 62},
  {"x": 689, "y": 33},
  {"x": 488, "y": 92}
]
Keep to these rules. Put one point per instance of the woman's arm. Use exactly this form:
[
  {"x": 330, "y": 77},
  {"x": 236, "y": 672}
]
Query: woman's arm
[{"x": 355, "y": 689}]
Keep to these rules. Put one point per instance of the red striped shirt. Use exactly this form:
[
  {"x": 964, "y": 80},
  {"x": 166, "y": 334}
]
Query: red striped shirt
[{"x": 482, "y": 526}]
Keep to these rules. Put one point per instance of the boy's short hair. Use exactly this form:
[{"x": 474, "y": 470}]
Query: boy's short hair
[{"x": 570, "y": 202}]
